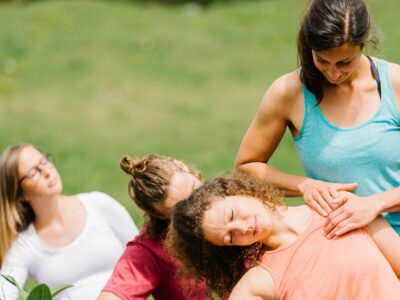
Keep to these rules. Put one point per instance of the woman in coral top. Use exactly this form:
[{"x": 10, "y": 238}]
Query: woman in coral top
[{"x": 217, "y": 232}]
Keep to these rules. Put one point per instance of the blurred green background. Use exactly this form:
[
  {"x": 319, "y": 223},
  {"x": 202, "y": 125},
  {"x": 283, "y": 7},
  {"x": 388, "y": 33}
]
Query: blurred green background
[{"x": 90, "y": 81}]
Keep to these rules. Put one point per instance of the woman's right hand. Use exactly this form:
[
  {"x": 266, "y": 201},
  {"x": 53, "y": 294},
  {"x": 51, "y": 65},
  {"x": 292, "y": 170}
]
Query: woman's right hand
[{"x": 320, "y": 195}]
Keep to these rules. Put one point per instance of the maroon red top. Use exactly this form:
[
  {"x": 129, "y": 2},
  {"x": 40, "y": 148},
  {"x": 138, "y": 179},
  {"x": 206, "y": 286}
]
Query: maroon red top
[{"x": 145, "y": 269}]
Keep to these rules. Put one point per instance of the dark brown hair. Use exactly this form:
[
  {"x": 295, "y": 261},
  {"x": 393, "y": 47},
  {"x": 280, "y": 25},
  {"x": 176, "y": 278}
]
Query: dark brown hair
[
  {"x": 148, "y": 187},
  {"x": 328, "y": 24},
  {"x": 220, "y": 266}
]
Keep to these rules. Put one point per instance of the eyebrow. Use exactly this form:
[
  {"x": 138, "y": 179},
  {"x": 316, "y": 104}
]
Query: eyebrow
[{"x": 343, "y": 60}]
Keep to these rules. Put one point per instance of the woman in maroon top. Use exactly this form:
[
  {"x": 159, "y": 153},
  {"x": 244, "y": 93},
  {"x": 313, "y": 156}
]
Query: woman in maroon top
[{"x": 145, "y": 268}]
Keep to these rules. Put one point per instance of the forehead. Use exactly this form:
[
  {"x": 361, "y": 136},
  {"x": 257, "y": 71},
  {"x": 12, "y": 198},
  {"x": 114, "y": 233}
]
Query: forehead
[
  {"x": 181, "y": 186},
  {"x": 28, "y": 158},
  {"x": 343, "y": 52},
  {"x": 214, "y": 225},
  {"x": 216, "y": 216}
]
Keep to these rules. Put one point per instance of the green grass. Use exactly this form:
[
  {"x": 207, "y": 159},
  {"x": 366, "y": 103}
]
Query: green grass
[{"x": 91, "y": 81}]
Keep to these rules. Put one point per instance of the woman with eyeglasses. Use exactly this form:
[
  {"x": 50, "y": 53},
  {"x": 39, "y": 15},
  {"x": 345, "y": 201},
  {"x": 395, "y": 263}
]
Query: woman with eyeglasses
[{"x": 54, "y": 238}]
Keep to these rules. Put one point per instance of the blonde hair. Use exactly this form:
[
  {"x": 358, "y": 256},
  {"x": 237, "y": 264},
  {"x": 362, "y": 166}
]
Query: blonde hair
[{"x": 15, "y": 216}]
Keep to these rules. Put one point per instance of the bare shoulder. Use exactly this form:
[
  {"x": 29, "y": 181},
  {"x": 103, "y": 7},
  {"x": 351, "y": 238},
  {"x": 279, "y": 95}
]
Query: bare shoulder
[
  {"x": 285, "y": 88},
  {"x": 256, "y": 284},
  {"x": 394, "y": 70},
  {"x": 282, "y": 96}
]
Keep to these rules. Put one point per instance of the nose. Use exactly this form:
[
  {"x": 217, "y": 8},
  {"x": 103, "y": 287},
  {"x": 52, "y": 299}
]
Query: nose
[
  {"x": 45, "y": 170},
  {"x": 333, "y": 73},
  {"x": 239, "y": 226}
]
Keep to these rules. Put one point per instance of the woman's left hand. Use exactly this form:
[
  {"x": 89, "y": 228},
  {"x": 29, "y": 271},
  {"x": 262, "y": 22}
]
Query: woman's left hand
[{"x": 354, "y": 212}]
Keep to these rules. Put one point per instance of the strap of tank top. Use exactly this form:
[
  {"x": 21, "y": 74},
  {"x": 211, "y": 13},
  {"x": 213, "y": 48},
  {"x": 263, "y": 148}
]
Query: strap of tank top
[{"x": 376, "y": 75}]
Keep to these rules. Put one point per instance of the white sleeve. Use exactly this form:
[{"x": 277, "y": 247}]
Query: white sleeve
[
  {"x": 13, "y": 265},
  {"x": 117, "y": 217}
]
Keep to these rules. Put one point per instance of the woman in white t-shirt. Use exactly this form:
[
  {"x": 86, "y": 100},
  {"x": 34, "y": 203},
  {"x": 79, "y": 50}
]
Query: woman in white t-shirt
[{"x": 54, "y": 238}]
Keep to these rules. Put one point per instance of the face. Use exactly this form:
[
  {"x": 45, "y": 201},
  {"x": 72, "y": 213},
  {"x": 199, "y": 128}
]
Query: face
[
  {"x": 338, "y": 64},
  {"x": 47, "y": 182},
  {"x": 237, "y": 220},
  {"x": 183, "y": 183}
]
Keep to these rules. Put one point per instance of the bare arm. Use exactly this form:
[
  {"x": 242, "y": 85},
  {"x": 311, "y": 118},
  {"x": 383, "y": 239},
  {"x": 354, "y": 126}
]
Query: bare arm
[
  {"x": 108, "y": 296},
  {"x": 256, "y": 284},
  {"x": 395, "y": 80},
  {"x": 282, "y": 107},
  {"x": 387, "y": 241},
  {"x": 263, "y": 137}
]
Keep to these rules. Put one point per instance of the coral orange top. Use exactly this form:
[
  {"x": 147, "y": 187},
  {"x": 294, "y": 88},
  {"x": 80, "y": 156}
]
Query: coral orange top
[{"x": 343, "y": 268}]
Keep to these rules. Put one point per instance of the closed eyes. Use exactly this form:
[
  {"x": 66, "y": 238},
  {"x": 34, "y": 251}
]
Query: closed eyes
[
  {"x": 339, "y": 63},
  {"x": 231, "y": 233},
  {"x": 343, "y": 63}
]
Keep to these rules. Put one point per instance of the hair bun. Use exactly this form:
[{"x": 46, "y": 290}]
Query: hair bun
[
  {"x": 130, "y": 166},
  {"x": 126, "y": 164}
]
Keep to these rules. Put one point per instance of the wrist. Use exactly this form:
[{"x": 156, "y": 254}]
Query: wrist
[
  {"x": 379, "y": 203},
  {"x": 301, "y": 186}
]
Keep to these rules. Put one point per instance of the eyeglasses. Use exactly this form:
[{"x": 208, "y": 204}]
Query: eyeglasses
[{"x": 35, "y": 172}]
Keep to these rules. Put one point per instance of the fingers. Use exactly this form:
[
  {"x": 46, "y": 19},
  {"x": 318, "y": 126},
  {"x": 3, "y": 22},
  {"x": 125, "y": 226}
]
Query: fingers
[
  {"x": 340, "y": 199},
  {"x": 329, "y": 198},
  {"x": 315, "y": 205},
  {"x": 342, "y": 228},
  {"x": 322, "y": 203},
  {"x": 346, "y": 186},
  {"x": 333, "y": 220},
  {"x": 345, "y": 227}
]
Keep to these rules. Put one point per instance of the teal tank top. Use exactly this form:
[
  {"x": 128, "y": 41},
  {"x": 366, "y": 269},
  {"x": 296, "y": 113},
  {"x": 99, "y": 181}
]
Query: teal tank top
[{"x": 368, "y": 154}]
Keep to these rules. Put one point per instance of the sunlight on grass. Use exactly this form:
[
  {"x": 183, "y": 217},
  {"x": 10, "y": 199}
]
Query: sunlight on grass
[{"x": 91, "y": 81}]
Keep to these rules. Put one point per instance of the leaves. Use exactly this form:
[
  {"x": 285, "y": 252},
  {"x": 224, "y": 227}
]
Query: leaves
[
  {"x": 10, "y": 279},
  {"x": 40, "y": 292},
  {"x": 59, "y": 289}
]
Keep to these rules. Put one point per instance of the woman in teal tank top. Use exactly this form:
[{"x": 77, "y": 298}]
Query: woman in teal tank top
[{"x": 342, "y": 109}]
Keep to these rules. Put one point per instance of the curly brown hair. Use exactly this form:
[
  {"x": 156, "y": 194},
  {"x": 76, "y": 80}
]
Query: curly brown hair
[
  {"x": 148, "y": 187},
  {"x": 220, "y": 266}
]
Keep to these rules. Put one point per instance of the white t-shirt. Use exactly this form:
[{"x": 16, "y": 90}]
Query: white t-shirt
[{"x": 86, "y": 263}]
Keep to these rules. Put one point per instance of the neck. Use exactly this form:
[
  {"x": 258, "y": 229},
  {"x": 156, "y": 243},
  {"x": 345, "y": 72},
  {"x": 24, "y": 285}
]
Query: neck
[
  {"x": 288, "y": 224},
  {"x": 46, "y": 210}
]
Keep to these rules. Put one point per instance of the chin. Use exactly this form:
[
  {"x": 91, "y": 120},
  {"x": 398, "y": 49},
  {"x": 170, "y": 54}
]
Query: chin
[
  {"x": 57, "y": 189},
  {"x": 338, "y": 81}
]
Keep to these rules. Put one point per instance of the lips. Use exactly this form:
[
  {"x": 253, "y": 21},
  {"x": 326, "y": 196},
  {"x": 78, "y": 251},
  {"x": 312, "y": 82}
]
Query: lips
[
  {"x": 52, "y": 182},
  {"x": 255, "y": 230}
]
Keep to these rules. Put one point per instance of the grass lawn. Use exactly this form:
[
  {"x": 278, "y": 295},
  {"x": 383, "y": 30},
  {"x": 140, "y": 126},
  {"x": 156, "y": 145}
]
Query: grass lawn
[{"x": 91, "y": 81}]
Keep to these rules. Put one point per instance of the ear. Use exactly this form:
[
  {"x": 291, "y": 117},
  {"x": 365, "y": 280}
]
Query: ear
[{"x": 181, "y": 165}]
